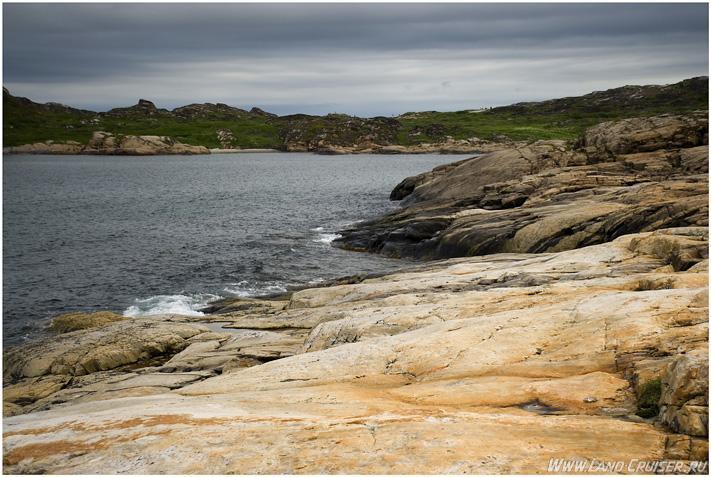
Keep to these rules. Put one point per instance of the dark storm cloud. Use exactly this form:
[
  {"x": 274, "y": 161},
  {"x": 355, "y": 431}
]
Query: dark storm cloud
[{"x": 365, "y": 59}]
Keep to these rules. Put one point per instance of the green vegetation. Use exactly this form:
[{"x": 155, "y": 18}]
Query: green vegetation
[
  {"x": 565, "y": 118},
  {"x": 648, "y": 402},
  {"x": 26, "y": 124}
]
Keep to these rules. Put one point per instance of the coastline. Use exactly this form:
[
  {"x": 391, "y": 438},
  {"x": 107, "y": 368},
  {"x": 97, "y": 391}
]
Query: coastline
[
  {"x": 77, "y": 149},
  {"x": 571, "y": 313},
  {"x": 103, "y": 143},
  {"x": 241, "y": 151}
]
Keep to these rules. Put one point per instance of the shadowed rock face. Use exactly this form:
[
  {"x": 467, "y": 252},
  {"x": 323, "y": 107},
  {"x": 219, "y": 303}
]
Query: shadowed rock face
[{"x": 631, "y": 176}]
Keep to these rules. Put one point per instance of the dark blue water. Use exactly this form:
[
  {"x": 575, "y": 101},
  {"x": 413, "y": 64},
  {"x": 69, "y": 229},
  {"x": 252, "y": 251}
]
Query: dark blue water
[{"x": 142, "y": 235}]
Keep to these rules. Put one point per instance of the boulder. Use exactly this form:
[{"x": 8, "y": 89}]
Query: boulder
[
  {"x": 685, "y": 391},
  {"x": 96, "y": 349},
  {"x": 79, "y": 321},
  {"x": 609, "y": 139},
  {"x": 107, "y": 143}
]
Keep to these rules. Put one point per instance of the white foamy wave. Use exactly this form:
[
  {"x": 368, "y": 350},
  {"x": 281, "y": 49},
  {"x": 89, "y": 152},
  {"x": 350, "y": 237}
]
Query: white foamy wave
[
  {"x": 170, "y": 304},
  {"x": 326, "y": 238},
  {"x": 246, "y": 289},
  {"x": 317, "y": 229}
]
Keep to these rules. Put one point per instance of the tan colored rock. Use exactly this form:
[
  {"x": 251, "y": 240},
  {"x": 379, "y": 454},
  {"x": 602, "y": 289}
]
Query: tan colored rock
[
  {"x": 97, "y": 349},
  {"x": 633, "y": 135},
  {"x": 28, "y": 391},
  {"x": 79, "y": 321},
  {"x": 684, "y": 400},
  {"x": 469, "y": 176},
  {"x": 48, "y": 147},
  {"x": 107, "y": 143},
  {"x": 514, "y": 360}
]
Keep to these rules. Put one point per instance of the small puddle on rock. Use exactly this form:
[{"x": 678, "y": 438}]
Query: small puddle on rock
[{"x": 540, "y": 408}]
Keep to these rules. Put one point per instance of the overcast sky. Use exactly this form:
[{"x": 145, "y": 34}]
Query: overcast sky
[{"x": 367, "y": 59}]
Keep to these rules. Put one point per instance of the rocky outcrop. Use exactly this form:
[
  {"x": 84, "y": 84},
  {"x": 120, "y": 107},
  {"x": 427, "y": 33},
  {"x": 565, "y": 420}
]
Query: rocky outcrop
[
  {"x": 260, "y": 112},
  {"x": 408, "y": 185},
  {"x": 337, "y": 133},
  {"x": 209, "y": 111},
  {"x": 142, "y": 108},
  {"x": 49, "y": 147},
  {"x": 107, "y": 143},
  {"x": 103, "y": 143},
  {"x": 226, "y": 138},
  {"x": 490, "y": 364},
  {"x": 685, "y": 395},
  {"x": 607, "y": 140},
  {"x": 80, "y": 321},
  {"x": 448, "y": 146},
  {"x": 545, "y": 196}
]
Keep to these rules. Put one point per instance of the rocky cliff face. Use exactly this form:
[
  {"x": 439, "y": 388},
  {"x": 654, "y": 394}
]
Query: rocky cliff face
[
  {"x": 108, "y": 144},
  {"x": 630, "y": 176},
  {"x": 479, "y": 364}
]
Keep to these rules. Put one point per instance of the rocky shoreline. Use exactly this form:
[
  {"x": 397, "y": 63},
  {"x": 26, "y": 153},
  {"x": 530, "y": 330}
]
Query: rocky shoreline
[
  {"x": 635, "y": 175},
  {"x": 569, "y": 320},
  {"x": 103, "y": 143},
  {"x": 449, "y": 146}
]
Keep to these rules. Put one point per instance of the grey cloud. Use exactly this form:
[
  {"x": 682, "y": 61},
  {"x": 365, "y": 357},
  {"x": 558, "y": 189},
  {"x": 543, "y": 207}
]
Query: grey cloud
[{"x": 356, "y": 58}]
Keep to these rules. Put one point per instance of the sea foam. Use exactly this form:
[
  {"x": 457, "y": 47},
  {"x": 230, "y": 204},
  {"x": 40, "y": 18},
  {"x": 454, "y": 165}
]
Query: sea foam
[
  {"x": 247, "y": 289},
  {"x": 326, "y": 238},
  {"x": 170, "y": 304}
]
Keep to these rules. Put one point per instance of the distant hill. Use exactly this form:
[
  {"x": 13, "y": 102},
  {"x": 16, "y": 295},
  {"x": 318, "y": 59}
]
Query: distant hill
[
  {"x": 221, "y": 125},
  {"x": 691, "y": 93}
]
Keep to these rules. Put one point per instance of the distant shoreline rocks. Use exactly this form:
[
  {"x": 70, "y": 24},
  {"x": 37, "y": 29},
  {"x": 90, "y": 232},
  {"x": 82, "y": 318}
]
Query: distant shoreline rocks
[
  {"x": 450, "y": 146},
  {"x": 104, "y": 143}
]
